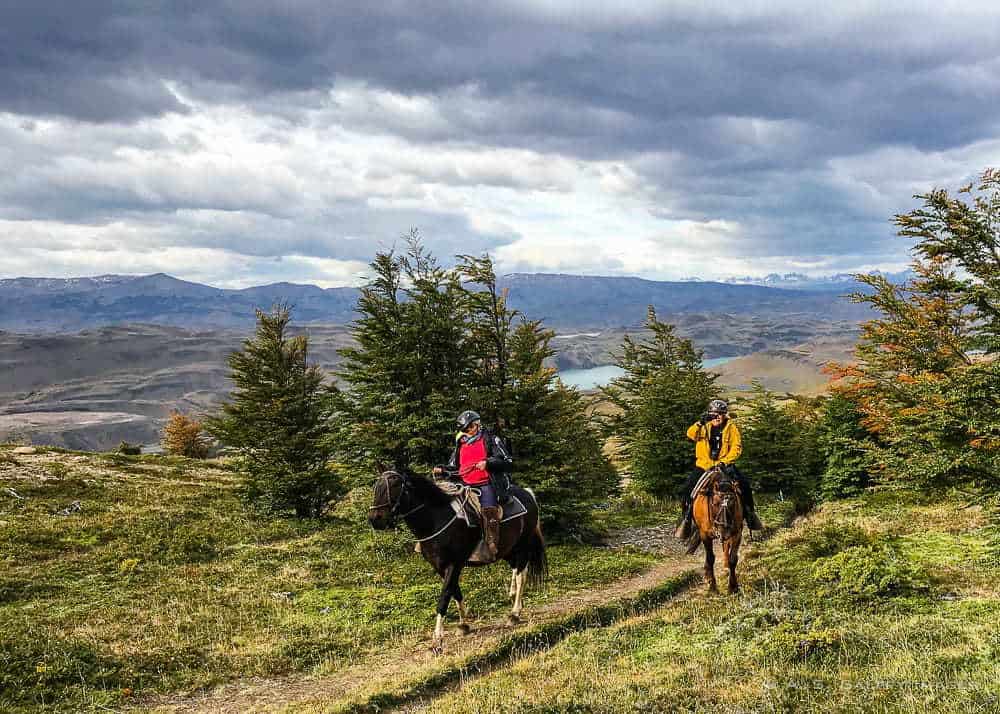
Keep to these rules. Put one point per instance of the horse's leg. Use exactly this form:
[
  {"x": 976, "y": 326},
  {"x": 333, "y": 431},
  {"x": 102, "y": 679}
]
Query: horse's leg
[
  {"x": 513, "y": 584},
  {"x": 709, "y": 545},
  {"x": 732, "y": 549},
  {"x": 442, "y": 608},
  {"x": 463, "y": 614},
  {"x": 519, "y": 580}
]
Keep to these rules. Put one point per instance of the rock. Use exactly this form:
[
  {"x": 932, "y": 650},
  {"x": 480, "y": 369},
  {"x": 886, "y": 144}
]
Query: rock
[
  {"x": 25, "y": 450},
  {"x": 74, "y": 507}
]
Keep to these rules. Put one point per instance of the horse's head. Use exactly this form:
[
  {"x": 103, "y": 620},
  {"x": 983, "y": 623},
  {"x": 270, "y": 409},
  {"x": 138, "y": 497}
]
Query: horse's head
[
  {"x": 725, "y": 498},
  {"x": 390, "y": 500}
]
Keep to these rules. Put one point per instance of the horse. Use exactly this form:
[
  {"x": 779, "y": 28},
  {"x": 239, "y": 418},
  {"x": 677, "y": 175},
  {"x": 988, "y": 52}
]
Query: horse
[
  {"x": 446, "y": 541},
  {"x": 718, "y": 513}
]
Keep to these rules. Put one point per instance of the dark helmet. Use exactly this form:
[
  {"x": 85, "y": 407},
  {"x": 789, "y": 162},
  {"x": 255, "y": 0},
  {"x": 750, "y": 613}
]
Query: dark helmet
[
  {"x": 466, "y": 418},
  {"x": 717, "y": 406}
]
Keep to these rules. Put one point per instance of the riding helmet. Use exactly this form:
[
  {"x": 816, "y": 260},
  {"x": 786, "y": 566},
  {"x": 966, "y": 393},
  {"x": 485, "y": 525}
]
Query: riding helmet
[
  {"x": 717, "y": 406},
  {"x": 466, "y": 418}
]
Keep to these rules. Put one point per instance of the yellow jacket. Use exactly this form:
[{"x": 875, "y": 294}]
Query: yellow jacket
[{"x": 732, "y": 444}]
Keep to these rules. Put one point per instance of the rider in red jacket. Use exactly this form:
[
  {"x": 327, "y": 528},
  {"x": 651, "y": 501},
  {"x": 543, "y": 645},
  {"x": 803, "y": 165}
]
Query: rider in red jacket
[{"x": 481, "y": 460}]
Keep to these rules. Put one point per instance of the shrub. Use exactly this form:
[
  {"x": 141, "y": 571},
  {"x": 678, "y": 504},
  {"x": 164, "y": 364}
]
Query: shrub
[
  {"x": 128, "y": 449},
  {"x": 183, "y": 436},
  {"x": 867, "y": 571}
]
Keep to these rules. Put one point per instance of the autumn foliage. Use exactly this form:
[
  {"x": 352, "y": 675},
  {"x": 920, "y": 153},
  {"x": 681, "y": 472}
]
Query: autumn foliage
[
  {"x": 184, "y": 436},
  {"x": 926, "y": 379}
]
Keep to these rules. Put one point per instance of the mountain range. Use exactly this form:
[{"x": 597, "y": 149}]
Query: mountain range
[
  {"x": 840, "y": 282},
  {"x": 39, "y": 305}
]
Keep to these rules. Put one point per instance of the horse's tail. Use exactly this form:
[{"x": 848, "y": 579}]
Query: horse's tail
[
  {"x": 538, "y": 562},
  {"x": 693, "y": 541}
]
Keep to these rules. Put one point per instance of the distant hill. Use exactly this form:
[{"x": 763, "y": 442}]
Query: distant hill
[
  {"x": 562, "y": 301},
  {"x": 68, "y": 305}
]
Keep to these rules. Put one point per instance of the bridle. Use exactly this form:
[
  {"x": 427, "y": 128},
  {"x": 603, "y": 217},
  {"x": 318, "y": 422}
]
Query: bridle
[
  {"x": 404, "y": 487},
  {"x": 720, "y": 519}
]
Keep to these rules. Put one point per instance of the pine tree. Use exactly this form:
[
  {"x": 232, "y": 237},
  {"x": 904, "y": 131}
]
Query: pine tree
[
  {"x": 663, "y": 391},
  {"x": 278, "y": 421},
  {"x": 556, "y": 443},
  {"x": 407, "y": 378},
  {"x": 843, "y": 443}
]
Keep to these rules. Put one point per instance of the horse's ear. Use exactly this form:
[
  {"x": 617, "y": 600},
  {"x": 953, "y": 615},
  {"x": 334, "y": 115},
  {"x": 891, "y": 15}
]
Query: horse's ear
[{"x": 380, "y": 468}]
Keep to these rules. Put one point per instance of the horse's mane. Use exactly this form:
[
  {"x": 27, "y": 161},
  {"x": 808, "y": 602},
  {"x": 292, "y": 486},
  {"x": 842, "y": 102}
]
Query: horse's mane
[{"x": 426, "y": 489}]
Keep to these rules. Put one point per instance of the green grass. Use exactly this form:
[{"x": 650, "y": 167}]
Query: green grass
[
  {"x": 163, "y": 583},
  {"x": 872, "y": 605}
]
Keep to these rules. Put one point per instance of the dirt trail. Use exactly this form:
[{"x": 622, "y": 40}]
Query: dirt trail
[{"x": 413, "y": 658}]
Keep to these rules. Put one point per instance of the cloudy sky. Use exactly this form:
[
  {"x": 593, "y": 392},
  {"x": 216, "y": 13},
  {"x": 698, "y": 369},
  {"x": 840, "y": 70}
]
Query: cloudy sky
[{"x": 244, "y": 142}]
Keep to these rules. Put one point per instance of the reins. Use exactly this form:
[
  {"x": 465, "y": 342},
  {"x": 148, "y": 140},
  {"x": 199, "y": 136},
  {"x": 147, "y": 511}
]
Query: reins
[{"x": 403, "y": 488}]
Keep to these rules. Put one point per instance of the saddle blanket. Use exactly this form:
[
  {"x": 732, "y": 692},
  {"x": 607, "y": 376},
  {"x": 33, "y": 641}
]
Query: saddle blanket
[{"x": 509, "y": 510}]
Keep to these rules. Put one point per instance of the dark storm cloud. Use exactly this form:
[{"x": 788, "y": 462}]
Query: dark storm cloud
[
  {"x": 882, "y": 76},
  {"x": 731, "y": 114}
]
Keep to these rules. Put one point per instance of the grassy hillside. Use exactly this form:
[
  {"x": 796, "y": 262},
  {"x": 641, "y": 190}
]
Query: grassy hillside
[
  {"x": 871, "y": 605},
  {"x": 159, "y": 582}
]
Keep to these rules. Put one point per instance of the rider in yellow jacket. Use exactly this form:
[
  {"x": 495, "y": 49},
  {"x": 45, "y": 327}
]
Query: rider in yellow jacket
[{"x": 717, "y": 441}]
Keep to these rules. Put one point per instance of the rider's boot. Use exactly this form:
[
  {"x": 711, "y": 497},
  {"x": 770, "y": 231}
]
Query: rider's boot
[
  {"x": 750, "y": 516},
  {"x": 491, "y": 530}
]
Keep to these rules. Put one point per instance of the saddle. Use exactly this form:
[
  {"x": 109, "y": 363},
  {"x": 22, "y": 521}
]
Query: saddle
[{"x": 465, "y": 503}]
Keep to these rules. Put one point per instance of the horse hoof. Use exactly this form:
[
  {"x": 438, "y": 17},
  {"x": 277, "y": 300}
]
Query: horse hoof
[
  {"x": 437, "y": 648},
  {"x": 513, "y": 619},
  {"x": 464, "y": 629}
]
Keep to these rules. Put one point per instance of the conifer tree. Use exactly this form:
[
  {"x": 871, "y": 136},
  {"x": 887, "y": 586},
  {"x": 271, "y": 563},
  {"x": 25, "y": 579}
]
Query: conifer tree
[
  {"x": 842, "y": 442},
  {"x": 769, "y": 458},
  {"x": 407, "y": 377},
  {"x": 278, "y": 421},
  {"x": 663, "y": 391},
  {"x": 556, "y": 443}
]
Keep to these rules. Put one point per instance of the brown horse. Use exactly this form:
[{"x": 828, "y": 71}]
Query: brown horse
[
  {"x": 447, "y": 543},
  {"x": 718, "y": 513}
]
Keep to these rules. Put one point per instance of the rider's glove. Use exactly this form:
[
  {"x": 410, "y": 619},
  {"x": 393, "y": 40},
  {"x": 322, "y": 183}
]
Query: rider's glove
[{"x": 703, "y": 419}]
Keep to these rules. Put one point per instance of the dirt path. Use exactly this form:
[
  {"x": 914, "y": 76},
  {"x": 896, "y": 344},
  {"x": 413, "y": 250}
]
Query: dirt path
[{"x": 412, "y": 659}]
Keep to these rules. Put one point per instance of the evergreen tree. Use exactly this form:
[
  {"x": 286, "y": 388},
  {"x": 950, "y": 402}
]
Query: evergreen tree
[
  {"x": 842, "y": 442},
  {"x": 278, "y": 421},
  {"x": 663, "y": 391},
  {"x": 556, "y": 444},
  {"x": 770, "y": 457},
  {"x": 407, "y": 377}
]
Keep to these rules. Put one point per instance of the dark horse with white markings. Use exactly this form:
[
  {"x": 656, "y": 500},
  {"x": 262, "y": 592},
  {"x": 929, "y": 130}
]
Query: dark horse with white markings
[{"x": 446, "y": 541}]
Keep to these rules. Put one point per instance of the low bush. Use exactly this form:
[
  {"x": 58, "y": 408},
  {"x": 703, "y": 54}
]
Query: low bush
[{"x": 867, "y": 571}]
